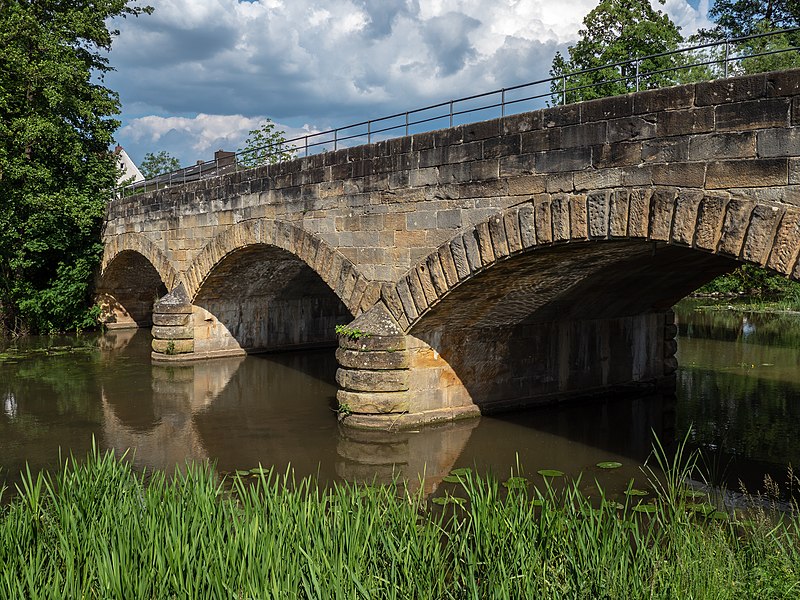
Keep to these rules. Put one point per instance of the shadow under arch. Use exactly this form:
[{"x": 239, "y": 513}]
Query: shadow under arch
[
  {"x": 127, "y": 289},
  {"x": 571, "y": 295},
  {"x": 260, "y": 297}
]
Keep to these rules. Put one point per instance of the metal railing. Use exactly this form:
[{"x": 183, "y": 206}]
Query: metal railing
[{"x": 722, "y": 55}]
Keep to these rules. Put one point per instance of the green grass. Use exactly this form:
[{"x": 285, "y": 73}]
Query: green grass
[{"x": 97, "y": 529}]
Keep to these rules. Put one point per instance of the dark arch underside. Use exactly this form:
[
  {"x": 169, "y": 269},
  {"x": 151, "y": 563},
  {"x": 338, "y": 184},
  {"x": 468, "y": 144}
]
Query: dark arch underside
[
  {"x": 127, "y": 290},
  {"x": 590, "y": 280},
  {"x": 555, "y": 322},
  {"x": 266, "y": 298}
]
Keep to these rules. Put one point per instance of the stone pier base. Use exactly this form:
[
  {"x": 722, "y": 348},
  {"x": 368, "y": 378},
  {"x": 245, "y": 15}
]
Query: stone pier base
[{"x": 392, "y": 380}]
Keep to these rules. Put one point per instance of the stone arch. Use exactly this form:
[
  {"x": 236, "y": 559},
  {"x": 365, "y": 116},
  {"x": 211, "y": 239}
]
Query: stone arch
[
  {"x": 719, "y": 223},
  {"x": 127, "y": 289},
  {"x": 338, "y": 273},
  {"x": 265, "y": 285},
  {"x": 136, "y": 242}
]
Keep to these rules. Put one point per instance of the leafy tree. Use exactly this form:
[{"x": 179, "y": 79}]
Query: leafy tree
[
  {"x": 616, "y": 31},
  {"x": 265, "y": 145},
  {"x": 56, "y": 172},
  {"x": 739, "y": 18},
  {"x": 158, "y": 164}
]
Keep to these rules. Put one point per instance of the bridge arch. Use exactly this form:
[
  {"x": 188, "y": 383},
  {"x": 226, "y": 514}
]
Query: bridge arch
[
  {"x": 267, "y": 285},
  {"x": 563, "y": 295},
  {"x": 134, "y": 274},
  {"x": 338, "y": 273},
  {"x": 731, "y": 228}
]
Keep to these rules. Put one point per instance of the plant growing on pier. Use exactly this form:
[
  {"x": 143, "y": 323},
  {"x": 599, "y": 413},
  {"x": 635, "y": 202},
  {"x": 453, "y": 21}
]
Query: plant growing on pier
[{"x": 351, "y": 332}]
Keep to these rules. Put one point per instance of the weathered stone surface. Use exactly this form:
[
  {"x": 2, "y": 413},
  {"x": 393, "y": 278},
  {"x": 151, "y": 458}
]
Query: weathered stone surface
[
  {"x": 372, "y": 381},
  {"x": 683, "y": 226},
  {"x": 527, "y": 225},
  {"x": 174, "y": 332},
  {"x": 542, "y": 218},
  {"x": 578, "y": 219},
  {"x": 511, "y": 225},
  {"x": 758, "y": 240},
  {"x": 737, "y": 218},
  {"x": 375, "y": 360},
  {"x": 171, "y": 347},
  {"x": 497, "y": 231},
  {"x": 373, "y": 402},
  {"x": 598, "y": 214},
  {"x": 662, "y": 206},
  {"x": 176, "y": 302},
  {"x": 559, "y": 206},
  {"x": 747, "y": 173},
  {"x": 787, "y": 244},
  {"x": 723, "y": 145},
  {"x": 710, "y": 216},
  {"x": 638, "y": 213},
  {"x": 618, "y": 210},
  {"x": 171, "y": 319}
]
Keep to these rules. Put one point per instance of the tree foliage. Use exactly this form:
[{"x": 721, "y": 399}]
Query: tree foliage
[
  {"x": 158, "y": 164},
  {"x": 55, "y": 168},
  {"x": 739, "y": 18},
  {"x": 265, "y": 145},
  {"x": 616, "y": 31}
]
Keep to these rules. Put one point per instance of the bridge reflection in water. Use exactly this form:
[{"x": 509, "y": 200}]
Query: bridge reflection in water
[{"x": 278, "y": 410}]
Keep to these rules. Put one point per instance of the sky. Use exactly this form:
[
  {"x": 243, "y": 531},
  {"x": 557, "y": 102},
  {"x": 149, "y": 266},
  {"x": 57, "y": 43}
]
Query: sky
[{"x": 197, "y": 75}]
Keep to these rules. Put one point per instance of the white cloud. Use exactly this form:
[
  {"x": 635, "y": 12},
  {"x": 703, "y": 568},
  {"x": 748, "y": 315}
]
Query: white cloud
[{"x": 208, "y": 69}]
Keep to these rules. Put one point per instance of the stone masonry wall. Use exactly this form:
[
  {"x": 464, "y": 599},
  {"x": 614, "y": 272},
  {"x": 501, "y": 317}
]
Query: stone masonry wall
[{"x": 385, "y": 206}]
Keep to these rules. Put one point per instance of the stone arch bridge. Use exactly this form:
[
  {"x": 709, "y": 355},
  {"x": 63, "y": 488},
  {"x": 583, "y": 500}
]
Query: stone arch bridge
[{"x": 505, "y": 263}]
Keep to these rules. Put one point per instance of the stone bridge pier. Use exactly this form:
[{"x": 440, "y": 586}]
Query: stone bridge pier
[{"x": 513, "y": 262}]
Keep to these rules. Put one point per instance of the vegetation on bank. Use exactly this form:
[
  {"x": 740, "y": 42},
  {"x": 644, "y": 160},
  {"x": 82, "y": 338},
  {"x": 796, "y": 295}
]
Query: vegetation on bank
[
  {"x": 762, "y": 289},
  {"x": 98, "y": 530}
]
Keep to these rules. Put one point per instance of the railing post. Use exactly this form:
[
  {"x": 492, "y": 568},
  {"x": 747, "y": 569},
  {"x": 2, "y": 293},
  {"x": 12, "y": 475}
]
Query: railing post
[
  {"x": 503, "y": 102},
  {"x": 335, "y": 139},
  {"x": 306, "y": 145},
  {"x": 406, "y": 124},
  {"x": 637, "y": 75},
  {"x": 563, "y": 90},
  {"x": 727, "y": 54},
  {"x": 369, "y": 132},
  {"x": 451, "y": 113}
]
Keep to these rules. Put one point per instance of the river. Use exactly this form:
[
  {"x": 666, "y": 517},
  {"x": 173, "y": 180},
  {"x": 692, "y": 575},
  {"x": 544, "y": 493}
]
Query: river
[{"x": 738, "y": 389}]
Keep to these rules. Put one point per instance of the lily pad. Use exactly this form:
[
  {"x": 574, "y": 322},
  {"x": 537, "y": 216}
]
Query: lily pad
[
  {"x": 259, "y": 471},
  {"x": 242, "y": 473},
  {"x": 635, "y": 492},
  {"x": 452, "y": 479},
  {"x": 609, "y": 464},
  {"x": 463, "y": 471},
  {"x": 516, "y": 483},
  {"x": 613, "y": 504},
  {"x": 646, "y": 508},
  {"x": 550, "y": 473}
]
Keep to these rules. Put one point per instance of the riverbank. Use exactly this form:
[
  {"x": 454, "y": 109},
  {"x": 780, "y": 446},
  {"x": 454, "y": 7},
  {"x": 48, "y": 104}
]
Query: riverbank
[{"x": 96, "y": 530}]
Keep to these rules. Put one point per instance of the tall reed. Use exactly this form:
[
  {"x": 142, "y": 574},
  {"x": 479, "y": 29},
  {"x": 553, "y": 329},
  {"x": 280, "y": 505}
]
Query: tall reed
[{"x": 97, "y": 529}]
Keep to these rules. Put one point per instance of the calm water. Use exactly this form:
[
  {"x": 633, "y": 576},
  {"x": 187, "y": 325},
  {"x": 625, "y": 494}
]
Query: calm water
[{"x": 739, "y": 385}]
